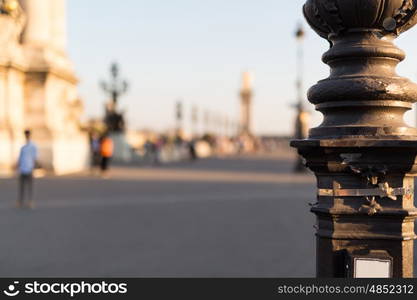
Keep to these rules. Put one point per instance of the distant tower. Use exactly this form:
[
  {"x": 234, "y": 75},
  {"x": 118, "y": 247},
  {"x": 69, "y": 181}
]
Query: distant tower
[{"x": 246, "y": 105}]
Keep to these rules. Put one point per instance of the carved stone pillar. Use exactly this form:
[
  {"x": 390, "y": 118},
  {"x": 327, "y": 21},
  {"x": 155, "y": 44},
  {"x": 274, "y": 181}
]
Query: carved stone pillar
[{"x": 363, "y": 154}]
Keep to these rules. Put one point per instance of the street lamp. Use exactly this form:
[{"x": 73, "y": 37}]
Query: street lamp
[
  {"x": 363, "y": 154},
  {"x": 115, "y": 88},
  {"x": 194, "y": 121},
  {"x": 178, "y": 117},
  {"x": 301, "y": 121}
]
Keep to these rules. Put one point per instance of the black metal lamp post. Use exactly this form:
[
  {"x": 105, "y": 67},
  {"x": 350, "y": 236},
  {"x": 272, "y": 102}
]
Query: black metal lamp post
[
  {"x": 179, "y": 114},
  {"x": 115, "y": 88},
  {"x": 363, "y": 154},
  {"x": 301, "y": 120}
]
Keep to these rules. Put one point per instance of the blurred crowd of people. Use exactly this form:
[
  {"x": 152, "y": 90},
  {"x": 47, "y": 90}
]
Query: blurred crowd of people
[
  {"x": 156, "y": 151},
  {"x": 164, "y": 149}
]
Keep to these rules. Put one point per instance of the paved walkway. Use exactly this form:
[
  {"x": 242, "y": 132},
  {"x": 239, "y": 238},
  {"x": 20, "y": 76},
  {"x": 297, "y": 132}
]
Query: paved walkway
[{"x": 218, "y": 217}]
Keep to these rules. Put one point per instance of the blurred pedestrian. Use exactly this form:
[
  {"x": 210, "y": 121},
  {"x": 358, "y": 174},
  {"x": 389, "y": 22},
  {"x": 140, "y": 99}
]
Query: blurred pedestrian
[
  {"x": 95, "y": 151},
  {"x": 106, "y": 152},
  {"x": 148, "y": 151},
  {"x": 26, "y": 164},
  {"x": 159, "y": 145},
  {"x": 191, "y": 150}
]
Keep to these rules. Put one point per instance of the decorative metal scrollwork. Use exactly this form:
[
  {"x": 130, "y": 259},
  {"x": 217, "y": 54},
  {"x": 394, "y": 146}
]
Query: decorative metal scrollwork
[{"x": 377, "y": 186}]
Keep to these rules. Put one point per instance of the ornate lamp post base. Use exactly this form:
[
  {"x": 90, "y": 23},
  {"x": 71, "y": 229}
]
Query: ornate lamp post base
[
  {"x": 365, "y": 201},
  {"x": 363, "y": 154}
]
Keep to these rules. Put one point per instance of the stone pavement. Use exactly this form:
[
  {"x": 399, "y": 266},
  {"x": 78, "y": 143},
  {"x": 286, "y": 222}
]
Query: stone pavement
[{"x": 245, "y": 217}]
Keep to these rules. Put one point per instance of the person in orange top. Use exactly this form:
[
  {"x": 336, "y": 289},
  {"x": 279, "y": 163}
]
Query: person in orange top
[{"x": 106, "y": 152}]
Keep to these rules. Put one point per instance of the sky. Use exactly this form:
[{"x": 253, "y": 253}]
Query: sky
[{"x": 196, "y": 51}]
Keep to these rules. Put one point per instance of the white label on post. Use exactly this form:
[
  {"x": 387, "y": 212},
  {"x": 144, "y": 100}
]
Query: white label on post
[{"x": 372, "y": 268}]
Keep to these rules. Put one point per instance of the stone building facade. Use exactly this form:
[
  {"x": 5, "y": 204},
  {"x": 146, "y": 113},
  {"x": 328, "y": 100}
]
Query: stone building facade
[{"x": 38, "y": 87}]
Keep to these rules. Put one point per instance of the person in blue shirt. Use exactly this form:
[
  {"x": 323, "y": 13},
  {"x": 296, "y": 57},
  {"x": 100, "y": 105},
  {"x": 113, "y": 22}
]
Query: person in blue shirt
[{"x": 26, "y": 164}]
